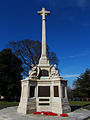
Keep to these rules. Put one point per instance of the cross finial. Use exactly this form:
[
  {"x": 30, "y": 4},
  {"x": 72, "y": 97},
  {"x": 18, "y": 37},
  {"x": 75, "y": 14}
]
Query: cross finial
[{"x": 43, "y": 13}]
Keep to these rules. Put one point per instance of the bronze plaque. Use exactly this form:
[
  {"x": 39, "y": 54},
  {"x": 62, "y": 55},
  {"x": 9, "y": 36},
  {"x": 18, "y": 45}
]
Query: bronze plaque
[
  {"x": 43, "y": 91},
  {"x": 56, "y": 93},
  {"x": 32, "y": 91}
]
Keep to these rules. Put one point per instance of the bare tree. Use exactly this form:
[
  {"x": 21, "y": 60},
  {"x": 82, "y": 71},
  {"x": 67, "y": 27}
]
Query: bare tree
[{"x": 29, "y": 52}]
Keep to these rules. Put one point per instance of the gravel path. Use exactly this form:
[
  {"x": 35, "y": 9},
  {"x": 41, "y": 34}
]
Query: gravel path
[{"x": 11, "y": 114}]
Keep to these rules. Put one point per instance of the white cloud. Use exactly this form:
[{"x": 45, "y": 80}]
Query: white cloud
[
  {"x": 86, "y": 53},
  {"x": 83, "y": 54},
  {"x": 68, "y": 76}
]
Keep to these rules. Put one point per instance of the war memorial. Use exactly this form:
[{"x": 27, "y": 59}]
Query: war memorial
[{"x": 43, "y": 89}]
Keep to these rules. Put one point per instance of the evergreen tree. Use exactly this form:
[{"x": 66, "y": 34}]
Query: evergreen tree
[
  {"x": 82, "y": 85},
  {"x": 10, "y": 75}
]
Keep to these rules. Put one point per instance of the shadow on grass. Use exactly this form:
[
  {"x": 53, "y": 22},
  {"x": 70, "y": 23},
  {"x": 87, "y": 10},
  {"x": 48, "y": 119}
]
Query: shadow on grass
[{"x": 75, "y": 107}]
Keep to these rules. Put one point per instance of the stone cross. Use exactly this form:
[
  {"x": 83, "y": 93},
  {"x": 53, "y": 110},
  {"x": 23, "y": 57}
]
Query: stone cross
[{"x": 43, "y": 13}]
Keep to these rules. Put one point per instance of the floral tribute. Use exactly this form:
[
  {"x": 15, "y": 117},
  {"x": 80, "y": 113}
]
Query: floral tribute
[
  {"x": 49, "y": 113},
  {"x": 36, "y": 113},
  {"x": 63, "y": 115},
  {"x": 45, "y": 113}
]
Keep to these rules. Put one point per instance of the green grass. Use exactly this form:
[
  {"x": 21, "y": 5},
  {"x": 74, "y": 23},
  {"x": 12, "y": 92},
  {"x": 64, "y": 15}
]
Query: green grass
[
  {"x": 4, "y": 104},
  {"x": 79, "y": 103}
]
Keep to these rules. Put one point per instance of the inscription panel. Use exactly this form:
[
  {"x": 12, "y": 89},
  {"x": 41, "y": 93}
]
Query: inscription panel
[
  {"x": 43, "y": 91},
  {"x": 44, "y": 73}
]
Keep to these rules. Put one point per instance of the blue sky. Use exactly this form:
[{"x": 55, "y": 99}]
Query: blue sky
[{"x": 68, "y": 30}]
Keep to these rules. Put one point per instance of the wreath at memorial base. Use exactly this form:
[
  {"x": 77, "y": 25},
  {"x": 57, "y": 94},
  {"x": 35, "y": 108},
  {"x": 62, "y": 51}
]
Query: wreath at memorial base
[
  {"x": 63, "y": 115},
  {"x": 45, "y": 113},
  {"x": 49, "y": 113},
  {"x": 37, "y": 113}
]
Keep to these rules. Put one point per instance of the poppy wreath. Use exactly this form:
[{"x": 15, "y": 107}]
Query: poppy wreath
[
  {"x": 50, "y": 113},
  {"x": 37, "y": 113},
  {"x": 63, "y": 115},
  {"x": 45, "y": 113}
]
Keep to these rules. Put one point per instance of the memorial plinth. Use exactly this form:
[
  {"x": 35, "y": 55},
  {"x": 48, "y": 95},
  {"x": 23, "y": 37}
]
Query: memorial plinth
[{"x": 43, "y": 89}]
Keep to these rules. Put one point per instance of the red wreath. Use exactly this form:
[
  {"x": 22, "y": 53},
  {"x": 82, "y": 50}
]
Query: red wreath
[
  {"x": 63, "y": 115},
  {"x": 45, "y": 113},
  {"x": 50, "y": 113},
  {"x": 36, "y": 113}
]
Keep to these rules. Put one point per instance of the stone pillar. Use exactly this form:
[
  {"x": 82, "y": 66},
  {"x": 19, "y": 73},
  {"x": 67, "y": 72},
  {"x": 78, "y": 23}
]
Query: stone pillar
[
  {"x": 43, "y": 35},
  {"x": 60, "y": 91},
  {"x": 43, "y": 60},
  {"x": 65, "y": 92},
  {"x": 22, "y": 108},
  {"x": 28, "y": 89},
  {"x": 51, "y": 96},
  {"x": 51, "y": 91},
  {"x": 37, "y": 98}
]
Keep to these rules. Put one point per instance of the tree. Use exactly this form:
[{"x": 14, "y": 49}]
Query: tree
[
  {"x": 69, "y": 92},
  {"x": 10, "y": 75},
  {"x": 82, "y": 85},
  {"x": 29, "y": 52}
]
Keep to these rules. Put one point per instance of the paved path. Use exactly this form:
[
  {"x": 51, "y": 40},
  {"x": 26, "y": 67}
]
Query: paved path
[{"x": 11, "y": 114}]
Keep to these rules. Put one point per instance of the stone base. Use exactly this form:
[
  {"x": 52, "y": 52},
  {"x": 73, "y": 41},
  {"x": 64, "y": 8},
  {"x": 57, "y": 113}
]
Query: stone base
[
  {"x": 44, "y": 93},
  {"x": 54, "y": 105},
  {"x": 44, "y": 61},
  {"x": 65, "y": 106},
  {"x": 27, "y": 107},
  {"x": 22, "y": 108},
  {"x": 31, "y": 107}
]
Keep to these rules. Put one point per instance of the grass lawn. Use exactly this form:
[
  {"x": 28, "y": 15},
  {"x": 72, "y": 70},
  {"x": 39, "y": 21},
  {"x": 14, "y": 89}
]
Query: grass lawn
[
  {"x": 79, "y": 104},
  {"x": 4, "y": 104}
]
